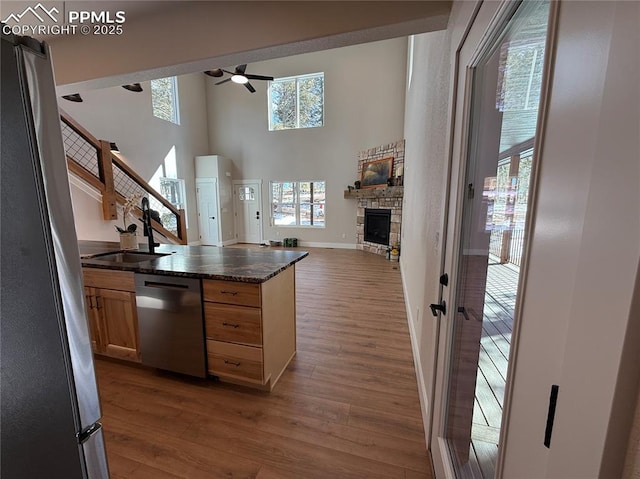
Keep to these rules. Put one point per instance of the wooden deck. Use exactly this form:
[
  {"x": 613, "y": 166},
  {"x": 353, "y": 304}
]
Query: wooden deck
[
  {"x": 346, "y": 407},
  {"x": 497, "y": 326}
]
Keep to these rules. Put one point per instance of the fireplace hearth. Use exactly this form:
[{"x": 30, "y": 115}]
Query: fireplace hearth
[{"x": 377, "y": 225}]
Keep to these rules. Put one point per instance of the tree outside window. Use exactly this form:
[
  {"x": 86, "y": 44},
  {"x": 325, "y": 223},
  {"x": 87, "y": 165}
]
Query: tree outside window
[
  {"x": 296, "y": 102},
  {"x": 298, "y": 203}
]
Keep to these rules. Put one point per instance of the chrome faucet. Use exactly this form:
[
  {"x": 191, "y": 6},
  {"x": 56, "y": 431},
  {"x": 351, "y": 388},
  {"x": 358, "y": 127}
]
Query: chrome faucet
[{"x": 148, "y": 229}]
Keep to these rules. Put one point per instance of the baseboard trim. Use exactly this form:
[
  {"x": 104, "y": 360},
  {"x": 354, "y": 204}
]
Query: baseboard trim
[
  {"x": 417, "y": 363},
  {"x": 312, "y": 244},
  {"x": 229, "y": 242}
]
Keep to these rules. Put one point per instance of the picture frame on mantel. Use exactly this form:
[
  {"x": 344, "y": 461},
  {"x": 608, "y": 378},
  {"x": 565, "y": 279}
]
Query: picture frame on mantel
[{"x": 376, "y": 172}]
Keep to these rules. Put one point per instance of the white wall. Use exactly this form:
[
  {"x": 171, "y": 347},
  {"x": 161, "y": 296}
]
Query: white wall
[
  {"x": 126, "y": 118},
  {"x": 364, "y": 105},
  {"x": 584, "y": 255},
  {"x": 426, "y": 122}
]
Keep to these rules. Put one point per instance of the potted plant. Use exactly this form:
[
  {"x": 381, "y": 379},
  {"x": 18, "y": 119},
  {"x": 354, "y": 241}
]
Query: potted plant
[{"x": 128, "y": 238}]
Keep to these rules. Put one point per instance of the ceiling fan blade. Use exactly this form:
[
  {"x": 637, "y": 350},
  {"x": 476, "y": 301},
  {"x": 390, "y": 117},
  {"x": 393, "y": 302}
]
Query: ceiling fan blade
[
  {"x": 218, "y": 72},
  {"x": 241, "y": 68},
  {"x": 223, "y": 81},
  {"x": 250, "y": 87},
  {"x": 257, "y": 77}
]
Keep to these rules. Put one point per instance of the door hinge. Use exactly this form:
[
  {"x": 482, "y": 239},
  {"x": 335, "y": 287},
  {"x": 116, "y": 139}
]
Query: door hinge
[{"x": 470, "y": 191}]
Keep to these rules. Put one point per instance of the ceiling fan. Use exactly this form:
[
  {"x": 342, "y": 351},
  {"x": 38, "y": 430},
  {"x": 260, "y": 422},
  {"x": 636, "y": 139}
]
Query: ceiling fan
[{"x": 237, "y": 76}]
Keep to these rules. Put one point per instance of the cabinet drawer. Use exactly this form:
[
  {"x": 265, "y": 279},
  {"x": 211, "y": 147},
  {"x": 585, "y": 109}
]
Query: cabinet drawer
[
  {"x": 109, "y": 279},
  {"x": 234, "y": 360},
  {"x": 238, "y": 324},
  {"x": 231, "y": 292}
]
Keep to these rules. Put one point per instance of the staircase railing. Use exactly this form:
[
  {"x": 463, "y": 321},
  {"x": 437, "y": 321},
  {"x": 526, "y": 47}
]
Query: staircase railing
[{"x": 93, "y": 161}]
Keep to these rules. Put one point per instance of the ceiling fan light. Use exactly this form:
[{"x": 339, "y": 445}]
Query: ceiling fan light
[{"x": 241, "y": 79}]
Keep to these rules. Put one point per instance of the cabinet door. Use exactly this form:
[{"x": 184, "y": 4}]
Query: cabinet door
[
  {"x": 93, "y": 319},
  {"x": 119, "y": 321}
]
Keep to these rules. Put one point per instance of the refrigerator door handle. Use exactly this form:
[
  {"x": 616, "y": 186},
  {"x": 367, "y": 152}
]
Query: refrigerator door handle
[{"x": 85, "y": 435}]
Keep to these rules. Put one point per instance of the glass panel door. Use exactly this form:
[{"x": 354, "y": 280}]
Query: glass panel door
[{"x": 506, "y": 84}]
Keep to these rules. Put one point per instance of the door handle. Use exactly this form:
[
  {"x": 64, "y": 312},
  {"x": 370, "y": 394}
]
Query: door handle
[
  {"x": 212, "y": 217},
  {"x": 438, "y": 307}
]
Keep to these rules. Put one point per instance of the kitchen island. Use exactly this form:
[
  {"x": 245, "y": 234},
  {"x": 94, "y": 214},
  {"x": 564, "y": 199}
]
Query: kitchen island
[{"x": 248, "y": 304}]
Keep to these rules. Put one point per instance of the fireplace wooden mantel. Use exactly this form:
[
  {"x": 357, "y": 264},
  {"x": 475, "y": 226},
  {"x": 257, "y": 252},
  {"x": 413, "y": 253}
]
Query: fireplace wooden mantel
[{"x": 389, "y": 192}]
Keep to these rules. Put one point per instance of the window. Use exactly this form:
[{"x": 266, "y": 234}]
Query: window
[
  {"x": 298, "y": 203},
  {"x": 164, "y": 99},
  {"x": 246, "y": 193},
  {"x": 296, "y": 102},
  {"x": 172, "y": 189}
]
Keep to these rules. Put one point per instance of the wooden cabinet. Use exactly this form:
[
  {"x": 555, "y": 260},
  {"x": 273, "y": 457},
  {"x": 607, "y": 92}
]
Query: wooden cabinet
[
  {"x": 250, "y": 328},
  {"x": 111, "y": 309}
]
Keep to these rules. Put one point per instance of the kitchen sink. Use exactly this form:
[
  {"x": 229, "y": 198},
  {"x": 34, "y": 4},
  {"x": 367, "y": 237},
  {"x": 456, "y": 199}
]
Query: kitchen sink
[{"x": 126, "y": 257}]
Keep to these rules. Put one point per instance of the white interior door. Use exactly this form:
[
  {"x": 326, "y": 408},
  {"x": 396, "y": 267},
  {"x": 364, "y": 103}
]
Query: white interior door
[
  {"x": 247, "y": 195},
  {"x": 208, "y": 215}
]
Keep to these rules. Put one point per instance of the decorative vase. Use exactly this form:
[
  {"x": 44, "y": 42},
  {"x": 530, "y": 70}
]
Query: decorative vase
[
  {"x": 128, "y": 240},
  {"x": 357, "y": 184}
]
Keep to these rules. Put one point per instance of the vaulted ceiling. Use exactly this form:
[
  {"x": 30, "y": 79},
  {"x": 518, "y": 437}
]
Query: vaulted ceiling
[{"x": 164, "y": 38}]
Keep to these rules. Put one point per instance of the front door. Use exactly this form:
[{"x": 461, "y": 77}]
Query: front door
[
  {"x": 208, "y": 220},
  {"x": 499, "y": 88},
  {"x": 247, "y": 196}
]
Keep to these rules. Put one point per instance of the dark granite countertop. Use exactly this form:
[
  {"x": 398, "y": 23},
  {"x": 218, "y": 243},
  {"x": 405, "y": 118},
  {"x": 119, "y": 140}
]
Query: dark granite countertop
[{"x": 208, "y": 262}]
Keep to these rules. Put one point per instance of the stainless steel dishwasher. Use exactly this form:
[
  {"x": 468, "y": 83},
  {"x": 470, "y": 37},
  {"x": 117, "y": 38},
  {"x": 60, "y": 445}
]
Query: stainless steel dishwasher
[{"x": 170, "y": 323}]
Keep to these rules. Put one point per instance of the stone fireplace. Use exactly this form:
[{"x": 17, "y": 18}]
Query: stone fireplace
[{"x": 387, "y": 199}]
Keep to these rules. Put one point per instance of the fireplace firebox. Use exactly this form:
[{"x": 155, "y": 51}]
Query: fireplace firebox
[{"x": 377, "y": 225}]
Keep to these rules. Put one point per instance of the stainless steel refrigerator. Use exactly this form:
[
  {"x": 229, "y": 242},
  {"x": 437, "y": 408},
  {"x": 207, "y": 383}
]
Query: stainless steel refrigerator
[{"x": 49, "y": 403}]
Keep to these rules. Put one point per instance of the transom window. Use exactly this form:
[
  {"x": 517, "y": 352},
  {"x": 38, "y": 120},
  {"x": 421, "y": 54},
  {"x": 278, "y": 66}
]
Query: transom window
[
  {"x": 296, "y": 102},
  {"x": 164, "y": 99},
  {"x": 298, "y": 203}
]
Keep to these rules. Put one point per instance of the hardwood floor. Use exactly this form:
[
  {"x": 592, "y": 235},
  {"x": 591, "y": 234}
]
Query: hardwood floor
[{"x": 346, "y": 407}]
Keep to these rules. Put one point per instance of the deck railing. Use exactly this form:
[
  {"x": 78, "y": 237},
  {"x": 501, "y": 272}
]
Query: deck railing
[
  {"x": 93, "y": 161},
  {"x": 507, "y": 245}
]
